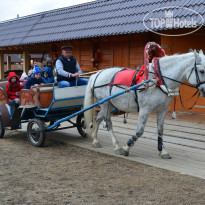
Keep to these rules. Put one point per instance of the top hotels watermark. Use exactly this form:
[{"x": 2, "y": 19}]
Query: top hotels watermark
[{"x": 173, "y": 17}]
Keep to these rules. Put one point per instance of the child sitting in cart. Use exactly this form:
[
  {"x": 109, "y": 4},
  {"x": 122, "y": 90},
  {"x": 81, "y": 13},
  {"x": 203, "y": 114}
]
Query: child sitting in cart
[
  {"x": 48, "y": 71},
  {"x": 36, "y": 79},
  {"x": 13, "y": 88},
  {"x": 23, "y": 80},
  {"x": 30, "y": 72}
]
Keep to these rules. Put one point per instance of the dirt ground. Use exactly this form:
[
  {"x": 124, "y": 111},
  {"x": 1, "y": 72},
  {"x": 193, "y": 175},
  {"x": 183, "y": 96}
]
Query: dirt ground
[{"x": 65, "y": 174}]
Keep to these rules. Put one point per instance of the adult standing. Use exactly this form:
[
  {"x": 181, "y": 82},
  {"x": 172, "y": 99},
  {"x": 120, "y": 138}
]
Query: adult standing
[{"x": 68, "y": 69}]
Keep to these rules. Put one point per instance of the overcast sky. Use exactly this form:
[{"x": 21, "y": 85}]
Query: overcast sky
[{"x": 10, "y": 8}]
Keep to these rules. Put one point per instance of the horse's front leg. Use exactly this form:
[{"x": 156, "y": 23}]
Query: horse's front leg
[
  {"x": 142, "y": 119},
  {"x": 160, "y": 127}
]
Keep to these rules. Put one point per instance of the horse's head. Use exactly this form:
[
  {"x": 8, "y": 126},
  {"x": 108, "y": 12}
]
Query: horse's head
[{"x": 197, "y": 75}]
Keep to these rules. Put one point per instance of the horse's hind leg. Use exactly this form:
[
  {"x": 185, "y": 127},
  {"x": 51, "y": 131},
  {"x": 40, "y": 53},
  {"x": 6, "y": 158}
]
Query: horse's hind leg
[
  {"x": 160, "y": 127},
  {"x": 105, "y": 114},
  {"x": 97, "y": 122},
  {"x": 142, "y": 119},
  {"x": 118, "y": 150}
]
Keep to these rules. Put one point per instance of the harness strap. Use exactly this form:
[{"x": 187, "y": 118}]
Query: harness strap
[
  {"x": 159, "y": 74},
  {"x": 135, "y": 75},
  {"x": 191, "y": 97},
  {"x": 134, "y": 83},
  {"x": 111, "y": 85},
  {"x": 99, "y": 86},
  {"x": 113, "y": 77},
  {"x": 188, "y": 84}
]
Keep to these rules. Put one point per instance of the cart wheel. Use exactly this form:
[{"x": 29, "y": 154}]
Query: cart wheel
[
  {"x": 2, "y": 130},
  {"x": 36, "y": 132},
  {"x": 81, "y": 128}
]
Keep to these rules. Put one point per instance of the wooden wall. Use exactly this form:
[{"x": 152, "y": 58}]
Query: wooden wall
[
  {"x": 123, "y": 51},
  {"x": 105, "y": 52},
  {"x": 182, "y": 45},
  {"x": 136, "y": 53}
]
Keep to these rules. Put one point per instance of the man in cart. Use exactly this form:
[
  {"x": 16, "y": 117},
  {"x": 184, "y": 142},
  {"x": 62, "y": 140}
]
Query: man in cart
[{"x": 68, "y": 69}]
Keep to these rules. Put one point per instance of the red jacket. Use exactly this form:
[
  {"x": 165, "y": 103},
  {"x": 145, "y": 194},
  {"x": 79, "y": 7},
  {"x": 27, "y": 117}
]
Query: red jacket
[{"x": 11, "y": 90}]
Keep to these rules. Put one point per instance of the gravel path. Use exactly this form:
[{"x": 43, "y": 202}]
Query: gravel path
[{"x": 65, "y": 174}]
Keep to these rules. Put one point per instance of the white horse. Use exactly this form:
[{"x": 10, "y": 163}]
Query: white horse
[{"x": 190, "y": 66}]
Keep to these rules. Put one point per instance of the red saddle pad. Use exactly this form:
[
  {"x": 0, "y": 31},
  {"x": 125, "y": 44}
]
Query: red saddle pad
[{"x": 125, "y": 77}]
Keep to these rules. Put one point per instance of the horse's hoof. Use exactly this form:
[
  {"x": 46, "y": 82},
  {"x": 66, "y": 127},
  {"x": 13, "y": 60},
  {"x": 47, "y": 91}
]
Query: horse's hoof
[
  {"x": 96, "y": 145},
  {"x": 119, "y": 151},
  {"x": 126, "y": 150},
  {"x": 126, "y": 153},
  {"x": 165, "y": 156}
]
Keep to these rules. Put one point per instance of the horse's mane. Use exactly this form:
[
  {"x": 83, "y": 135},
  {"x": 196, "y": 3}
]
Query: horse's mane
[{"x": 168, "y": 61}]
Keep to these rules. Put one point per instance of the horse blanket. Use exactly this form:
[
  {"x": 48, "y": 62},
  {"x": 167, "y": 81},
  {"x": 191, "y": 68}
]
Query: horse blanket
[{"x": 128, "y": 77}]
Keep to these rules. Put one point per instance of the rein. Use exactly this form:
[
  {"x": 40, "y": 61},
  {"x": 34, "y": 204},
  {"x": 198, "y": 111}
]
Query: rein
[
  {"x": 197, "y": 75},
  {"x": 187, "y": 84},
  {"x": 189, "y": 99}
]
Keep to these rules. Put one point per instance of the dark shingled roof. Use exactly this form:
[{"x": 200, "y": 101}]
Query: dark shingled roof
[
  {"x": 14, "y": 58},
  {"x": 36, "y": 56},
  {"x": 94, "y": 19}
]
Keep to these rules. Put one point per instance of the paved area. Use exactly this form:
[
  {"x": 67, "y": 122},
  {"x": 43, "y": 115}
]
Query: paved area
[{"x": 184, "y": 139}]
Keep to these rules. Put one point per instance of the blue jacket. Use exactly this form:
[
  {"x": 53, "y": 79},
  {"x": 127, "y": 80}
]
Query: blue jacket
[
  {"x": 32, "y": 81},
  {"x": 49, "y": 71},
  {"x": 49, "y": 78}
]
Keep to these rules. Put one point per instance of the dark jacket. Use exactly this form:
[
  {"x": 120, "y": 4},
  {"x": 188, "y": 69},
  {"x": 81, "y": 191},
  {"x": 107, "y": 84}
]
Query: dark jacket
[
  {"x": 68, "y": 66},
  {"x": 32, "y": 81},
  {"x": 12, "y": 88},
  {"x": 48, "y": 72}
]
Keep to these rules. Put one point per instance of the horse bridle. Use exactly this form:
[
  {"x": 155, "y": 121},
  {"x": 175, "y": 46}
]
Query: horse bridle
[{"x": 194, "y": 69}]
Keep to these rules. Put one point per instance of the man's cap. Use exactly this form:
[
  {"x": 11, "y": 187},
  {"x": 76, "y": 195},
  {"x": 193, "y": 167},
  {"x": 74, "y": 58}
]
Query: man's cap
[{"x": 67, "y": 48}]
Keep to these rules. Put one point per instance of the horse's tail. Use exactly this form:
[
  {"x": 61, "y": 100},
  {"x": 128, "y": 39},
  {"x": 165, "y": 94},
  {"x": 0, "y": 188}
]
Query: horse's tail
[{"x": 89, "y": 114}]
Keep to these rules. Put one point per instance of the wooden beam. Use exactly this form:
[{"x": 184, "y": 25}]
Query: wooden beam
[
  {"x": 1, "y": 66},
  {"x": 11, "y": 52},
  {"x": 38, "y": 51},
  {"x": 8, "y": 65},
  {"x": 26, "y": 61}
]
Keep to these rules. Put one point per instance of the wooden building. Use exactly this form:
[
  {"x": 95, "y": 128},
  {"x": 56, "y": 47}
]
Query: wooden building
[
  {"x": 12, "y": 62},
  {"x": 104, "y": 33}
]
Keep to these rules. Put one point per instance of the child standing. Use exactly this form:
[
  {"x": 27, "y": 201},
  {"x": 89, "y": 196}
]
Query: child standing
[
  {"x": 13, "y": 87},
  {"x": 36, "y": 79}
]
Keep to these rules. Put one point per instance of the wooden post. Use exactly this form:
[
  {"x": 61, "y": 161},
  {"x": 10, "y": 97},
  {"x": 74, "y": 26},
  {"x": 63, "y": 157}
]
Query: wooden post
[
  {"x": 8, "y": 65},
  {"x": 26, "y": 61},
  {"x": 1, "y": 66}
]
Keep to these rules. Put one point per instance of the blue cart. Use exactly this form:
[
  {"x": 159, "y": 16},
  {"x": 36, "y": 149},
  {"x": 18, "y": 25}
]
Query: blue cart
[{"x": 66, "y": 104}]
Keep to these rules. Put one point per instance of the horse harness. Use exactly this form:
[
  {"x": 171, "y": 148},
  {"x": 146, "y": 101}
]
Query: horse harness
[
  {"x": 157, "y": 75},
  {"x": 111, "y": 83},
  {"x": 194, "y": 69},
  {"x": 197, "y": 75}
]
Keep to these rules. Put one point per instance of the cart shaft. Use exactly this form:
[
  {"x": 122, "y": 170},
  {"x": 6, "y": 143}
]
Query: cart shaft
[{"x": 57, "y": 123}]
